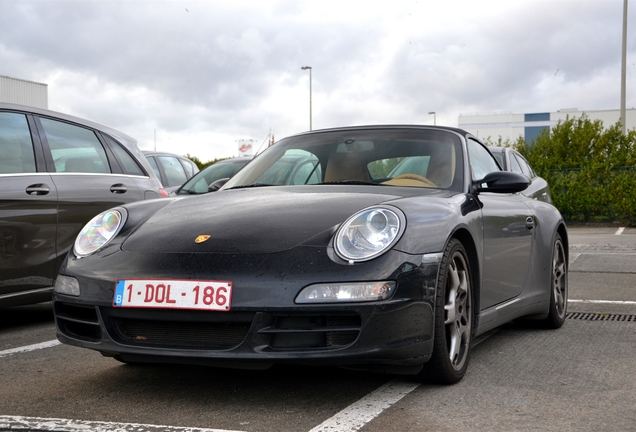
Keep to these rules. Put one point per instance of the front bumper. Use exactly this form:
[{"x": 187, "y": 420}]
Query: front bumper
[{"x": 264, "y": 325}]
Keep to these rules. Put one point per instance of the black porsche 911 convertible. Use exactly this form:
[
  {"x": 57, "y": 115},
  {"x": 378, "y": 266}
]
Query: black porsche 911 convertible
[{"x": 388, "y": 248}]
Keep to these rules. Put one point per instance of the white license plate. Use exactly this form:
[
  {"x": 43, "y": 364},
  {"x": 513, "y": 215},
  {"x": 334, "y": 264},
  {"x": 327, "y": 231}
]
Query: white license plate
[{"x": 173, "y": 294}]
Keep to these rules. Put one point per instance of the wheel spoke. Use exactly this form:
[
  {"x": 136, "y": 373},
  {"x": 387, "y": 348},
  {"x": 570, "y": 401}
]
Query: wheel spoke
[
  {"x": 559, "y": 302},
  {"x": 455, "y": 345},
  {"x": 559, "y": 281},
  {"x": 457, "y": 312},
  {"x": 453, "y": 317},
  {"x": 451, "y": 305}
]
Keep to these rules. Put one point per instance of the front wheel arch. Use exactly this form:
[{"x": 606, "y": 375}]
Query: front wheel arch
[
  {"x": 453, "y": 317},
  {"x": 468, "y": 242}
]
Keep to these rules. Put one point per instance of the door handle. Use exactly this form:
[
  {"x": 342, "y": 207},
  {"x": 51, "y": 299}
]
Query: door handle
[
  {"x": 530, "y": 223},
  {"x": 118, "y": 188},
  {"x": 38, "y": 189}
]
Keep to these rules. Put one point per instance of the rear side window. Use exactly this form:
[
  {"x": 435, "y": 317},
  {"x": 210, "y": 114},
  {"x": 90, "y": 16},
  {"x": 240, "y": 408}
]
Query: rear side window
[
  {"x": 525, "y": 167},
  {"x": 500, "y": 159},
  {"x": 153, "y": 165},
  {"x": 188, "y": 166},
  {"x": 130, "y": 166},
  {"x": 514, "y": 165},
  {"x": 16, "y": 147},
  {"x": 175, "y": 174},
  {"x": 75, "y": 149}
]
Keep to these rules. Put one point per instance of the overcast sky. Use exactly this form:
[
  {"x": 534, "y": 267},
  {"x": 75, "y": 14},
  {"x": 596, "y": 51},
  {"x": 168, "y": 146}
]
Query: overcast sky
[{"x": 204, "y": 74}]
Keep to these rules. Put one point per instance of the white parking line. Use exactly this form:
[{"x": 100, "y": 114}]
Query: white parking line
[
  {"x": 621, "y": 302},
  {"x": 350, "y": 419},
  {"x": 358, "y": 414},
  {"x": 28, "y": 348},
  {"x": 65, "y": 425},
  {"x": 619, "y": 231},
  {"x": 573, "y": 257}
]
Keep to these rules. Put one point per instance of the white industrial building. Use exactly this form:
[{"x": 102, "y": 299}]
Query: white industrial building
[
  {"x": 19, "y": 91},
  {"x": 511, "y": 126}
]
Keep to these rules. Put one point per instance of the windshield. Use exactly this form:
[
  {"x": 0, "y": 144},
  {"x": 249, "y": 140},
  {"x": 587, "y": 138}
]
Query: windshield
[
  {"x": 402, "y": 157},
  {"x": 200, "y": 182}
]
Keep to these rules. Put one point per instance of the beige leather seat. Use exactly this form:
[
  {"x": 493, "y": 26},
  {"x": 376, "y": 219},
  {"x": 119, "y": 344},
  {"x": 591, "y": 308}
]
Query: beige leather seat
[
  {"x": 441, "y": 169},
  {"x": 346, "y": 166}
]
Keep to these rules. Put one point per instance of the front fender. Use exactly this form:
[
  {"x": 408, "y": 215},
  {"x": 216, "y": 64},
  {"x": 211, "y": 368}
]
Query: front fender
[{"x": 430, "y": 224}]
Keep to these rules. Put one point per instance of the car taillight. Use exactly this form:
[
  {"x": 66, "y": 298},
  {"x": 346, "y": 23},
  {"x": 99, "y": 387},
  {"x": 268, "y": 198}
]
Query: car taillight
[{"x": 163, "y": 193}]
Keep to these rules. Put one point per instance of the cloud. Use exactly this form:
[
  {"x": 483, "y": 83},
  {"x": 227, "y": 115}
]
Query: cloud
[{"x": 203, "y": 74}]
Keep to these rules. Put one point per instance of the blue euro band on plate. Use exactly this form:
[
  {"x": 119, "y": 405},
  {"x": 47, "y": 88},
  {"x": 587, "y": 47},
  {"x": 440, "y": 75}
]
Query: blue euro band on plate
[{"x": 119, "y": 292}]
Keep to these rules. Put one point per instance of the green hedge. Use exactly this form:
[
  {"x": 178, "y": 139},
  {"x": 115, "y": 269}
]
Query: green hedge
[
  {"x": 585, "y": 195},
  {"x": 591, "y": 170}
]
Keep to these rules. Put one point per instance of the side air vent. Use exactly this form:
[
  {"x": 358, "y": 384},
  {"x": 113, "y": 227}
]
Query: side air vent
[
  {"x": 78, "y": 322},
  {"x": 312, "y": 332}
]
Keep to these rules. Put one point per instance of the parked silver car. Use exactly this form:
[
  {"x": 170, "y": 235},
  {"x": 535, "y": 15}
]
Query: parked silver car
[
  {"x": 292, "y": 169},
  {"x": 172, "y": 170},
  {"x": 511, "y": 160},
  {"x": 56, "y": 173},
  {"x": 200, "y": 183}
]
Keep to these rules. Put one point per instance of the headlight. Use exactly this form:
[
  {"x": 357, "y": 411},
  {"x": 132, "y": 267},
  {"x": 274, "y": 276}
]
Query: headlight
[
  {"x": 346, "y": 292},
  {"x": 368, "y": 234},
  {"x": 98, "y": 232}
]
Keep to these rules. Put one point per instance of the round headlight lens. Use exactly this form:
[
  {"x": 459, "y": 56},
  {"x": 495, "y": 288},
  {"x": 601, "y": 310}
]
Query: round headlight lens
[
  {"x": 98, "y": 232},
  {"x": 368, "y": 234}
]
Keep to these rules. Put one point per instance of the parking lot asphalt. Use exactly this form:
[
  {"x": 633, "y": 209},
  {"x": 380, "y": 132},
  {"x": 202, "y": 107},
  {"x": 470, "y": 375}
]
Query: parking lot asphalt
[
  {"x": 581, "y": 377},
  {"x": 578, "y": 378},
  {"x": 602, "y": 274}
]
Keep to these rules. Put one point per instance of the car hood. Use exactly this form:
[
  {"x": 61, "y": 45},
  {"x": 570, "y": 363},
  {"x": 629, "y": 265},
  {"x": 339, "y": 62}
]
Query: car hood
[{"x": 250, "y": 221}]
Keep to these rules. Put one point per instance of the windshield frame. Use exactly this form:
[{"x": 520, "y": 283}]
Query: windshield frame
[{"x": 367, "y": 143}]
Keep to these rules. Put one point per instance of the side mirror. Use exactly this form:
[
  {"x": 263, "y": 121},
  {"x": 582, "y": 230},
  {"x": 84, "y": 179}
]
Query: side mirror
[
  {"x": 218, "y": 184},
  {"x": 502, "y": 182}
]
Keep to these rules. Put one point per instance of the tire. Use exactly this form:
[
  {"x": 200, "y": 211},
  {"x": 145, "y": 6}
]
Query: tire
[
  {"x": 454, "y": 317},
  {"x": 558, "y": 286}
]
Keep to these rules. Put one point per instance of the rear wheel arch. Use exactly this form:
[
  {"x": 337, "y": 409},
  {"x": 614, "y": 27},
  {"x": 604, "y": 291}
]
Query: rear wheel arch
[{"x": 557, "y": 310}]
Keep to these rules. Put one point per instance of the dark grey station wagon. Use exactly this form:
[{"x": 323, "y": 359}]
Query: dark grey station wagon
[{"x": 56, "y": 173}]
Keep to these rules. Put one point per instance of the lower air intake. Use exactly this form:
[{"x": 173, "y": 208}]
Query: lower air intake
[{"x": 185, "y": 335}]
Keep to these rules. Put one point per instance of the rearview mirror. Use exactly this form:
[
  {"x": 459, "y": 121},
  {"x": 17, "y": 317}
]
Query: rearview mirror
[{"x": 502, "y": 182}]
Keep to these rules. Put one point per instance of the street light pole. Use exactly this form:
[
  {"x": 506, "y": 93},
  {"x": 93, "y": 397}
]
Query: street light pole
[
  {"x": 305, "y": 68},
  {"x": 434, "y": 117},
  {"x": 624, "y": 69}
]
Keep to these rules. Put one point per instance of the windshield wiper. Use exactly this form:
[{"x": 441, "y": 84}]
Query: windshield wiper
[
  {"x": 357, "y": 182},
  {"x": 250, "y": 186}
]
